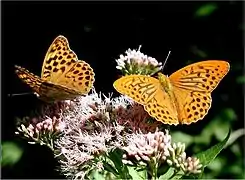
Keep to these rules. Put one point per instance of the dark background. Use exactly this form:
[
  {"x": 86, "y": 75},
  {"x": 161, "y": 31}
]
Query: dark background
[{"x": 98, "y": 33}]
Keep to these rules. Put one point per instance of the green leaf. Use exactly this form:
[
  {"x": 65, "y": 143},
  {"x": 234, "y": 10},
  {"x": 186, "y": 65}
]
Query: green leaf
[
  {"x": 206, "y": 10},
  {"x": 11, "y": 153},
  {"x": 177, "y": 176},
  {"x": 110, "y": 168},
  {"x": 120, "y": 170},
  {"x": 207, "y": 156},
  {"x": 137, "y": 173},
  {"x": 168, "y": 174},
  {"x": 171, "y": 173}
]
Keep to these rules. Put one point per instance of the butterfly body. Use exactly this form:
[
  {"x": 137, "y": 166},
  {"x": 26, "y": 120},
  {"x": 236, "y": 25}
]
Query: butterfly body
[
  {"x": 182, "y": 98},
  {"x": 63, "y": 75},
  {"x": 165, "y": 82}
]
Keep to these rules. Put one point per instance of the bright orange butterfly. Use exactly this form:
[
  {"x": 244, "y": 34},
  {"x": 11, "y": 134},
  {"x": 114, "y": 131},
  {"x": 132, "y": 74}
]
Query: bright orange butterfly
[
  {"x": 182, "y": 98},
  {"x": 63, "y": 75}
]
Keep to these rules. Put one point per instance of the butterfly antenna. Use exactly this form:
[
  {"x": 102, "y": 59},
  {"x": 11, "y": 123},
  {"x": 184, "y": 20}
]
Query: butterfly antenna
[
  {"x": 19, "y": 94},
  {"x": 166, "y": 59},
  {"x": 139, "y": 47}
]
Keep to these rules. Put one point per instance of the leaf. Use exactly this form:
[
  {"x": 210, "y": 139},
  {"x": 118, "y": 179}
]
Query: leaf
[
  {"x": 11, "y": 153},
  {"x": 120, "y": 170},
  {"x": 206, "y": 10},
  {"x": 177, "y": 176},
  {"x": 207, "y": 156},
  {"x": 168, "y": 174},
  {"x": 137, "y": 173},
  {"x": 110, "y": 168}
]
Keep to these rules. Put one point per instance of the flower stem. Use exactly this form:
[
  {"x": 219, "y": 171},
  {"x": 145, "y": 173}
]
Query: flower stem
[{"x": 154, "y": 168}]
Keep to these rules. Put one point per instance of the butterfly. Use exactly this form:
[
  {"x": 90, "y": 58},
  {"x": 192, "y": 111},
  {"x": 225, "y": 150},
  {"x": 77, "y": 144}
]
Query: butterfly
[
  {"x": 182, "y": 98},
  {"x": 63, "y": 76}
]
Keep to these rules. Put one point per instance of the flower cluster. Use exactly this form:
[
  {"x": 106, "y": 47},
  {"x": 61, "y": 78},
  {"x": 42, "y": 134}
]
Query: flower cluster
[
  {"x": 91, "y": 126},
  {"x": 176, "y": 157},
  {"x": 43, "y": 127},
  {"x": 158, "y": 147},
  {"x": 96, "y": 126},
  {"x": 83, "y": 130},
  {"x": 147, "y": 146},
  {"x": 135, "y": 62}
]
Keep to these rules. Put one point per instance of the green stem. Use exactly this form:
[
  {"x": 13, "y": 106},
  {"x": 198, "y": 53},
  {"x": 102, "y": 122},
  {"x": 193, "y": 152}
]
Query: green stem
[{"x": 154, "y": 168}]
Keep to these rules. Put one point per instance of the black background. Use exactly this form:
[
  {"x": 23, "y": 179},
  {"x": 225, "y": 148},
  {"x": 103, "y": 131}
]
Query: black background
[{"x": 98, "y": 33}]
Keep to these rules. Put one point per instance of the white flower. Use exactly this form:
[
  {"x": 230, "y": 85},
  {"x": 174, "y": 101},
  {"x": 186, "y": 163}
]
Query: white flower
[{"x": 135, "y": 62}]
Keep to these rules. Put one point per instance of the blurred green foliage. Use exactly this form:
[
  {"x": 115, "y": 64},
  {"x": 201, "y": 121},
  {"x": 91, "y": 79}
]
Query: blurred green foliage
[
  {"x": 240, "y": 79},
  {"x": 11, "y": 153},
  {"x": 198, "y": 52},
  {"x": 206, "y": 10}
]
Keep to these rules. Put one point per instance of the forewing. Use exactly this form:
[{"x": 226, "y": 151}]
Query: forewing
[
  {"x": 29, "y": 78},
  {"x": 203, "y": 76},
  {"x": 58, "y": 60},
  {"x": 61, "y": 67},
  {"x": 139, "y": 87}
]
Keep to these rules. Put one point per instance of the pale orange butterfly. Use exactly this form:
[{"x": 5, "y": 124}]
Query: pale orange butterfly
[
  {"x": 63, "y": 75},
  {"x": 182, "y": 98}
]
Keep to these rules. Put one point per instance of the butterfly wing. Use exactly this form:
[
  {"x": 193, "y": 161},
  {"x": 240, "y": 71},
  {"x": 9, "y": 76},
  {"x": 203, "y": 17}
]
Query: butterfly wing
[
  {"x": 58, "y": 59},
  {"x": 162, "y": 109},
  {"x": 46, "y": 91},
  {"x": 140, "y": 88},
  {"x": 148, "y": 91},
  {"x": 61, "y": 67},
  {"x": 79, "y": 78},
  {"x": 192, "y": 87},
  {"x": 29, "y": 78},
  {"x": 50, "y": 92}
]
